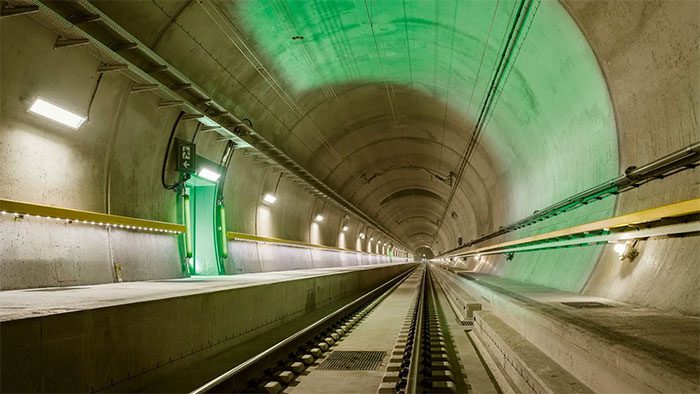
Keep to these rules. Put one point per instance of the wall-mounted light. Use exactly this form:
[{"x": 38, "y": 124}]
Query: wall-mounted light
[
  {"x": 620, "y": 248},
  {"x": 362, "y": 235},
  {"x": 208, "y": 174},
  {"x": 69, "y": 221},
  {"x": 371, "y": 238},
  {"x": 345, "y": 228},
  {"x": 51, "y": 111},
  {"x": 319, "y": 216},
  {"x": 625, "y": 251},
  {"x": 269, "y": 198}
]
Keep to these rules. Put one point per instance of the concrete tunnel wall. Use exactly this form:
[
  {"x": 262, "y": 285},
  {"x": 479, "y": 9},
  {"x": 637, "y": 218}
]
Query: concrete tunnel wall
[
  {"x": 579, "y": 136},
  {"x": 650, "y": 68},
  {"x": 614, "y": 86},
  {"x": 112, "y": 164}
]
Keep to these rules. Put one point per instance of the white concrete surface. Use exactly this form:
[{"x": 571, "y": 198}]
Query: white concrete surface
[
  {"x": 107, "y": 335},
  {"x": 23, "y": 304},
  {"x": 623, "y": 348}
]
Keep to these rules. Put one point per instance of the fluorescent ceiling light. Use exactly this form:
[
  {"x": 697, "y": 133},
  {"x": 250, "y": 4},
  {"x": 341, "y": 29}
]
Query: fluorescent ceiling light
[
  {"x": 269, "y": 198},
  {"x": 345, "y": 228},
  {"x": 208, "y": 173},
  {"x": 208, "y": 122},
  {"x": 56, "y": 113},
  {"x": 319, "y": 218}
]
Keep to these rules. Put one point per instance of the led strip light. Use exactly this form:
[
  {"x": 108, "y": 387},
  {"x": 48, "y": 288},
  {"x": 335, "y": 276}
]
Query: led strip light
[
  {"x": 234, "y": 236},
  {"x": 29, "y": 210}
]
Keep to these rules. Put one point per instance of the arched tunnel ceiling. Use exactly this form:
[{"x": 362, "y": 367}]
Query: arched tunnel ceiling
[{"x": 378, "y": 98}]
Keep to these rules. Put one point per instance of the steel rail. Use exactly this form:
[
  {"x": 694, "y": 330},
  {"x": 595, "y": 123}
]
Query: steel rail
[
  {"x": 235, "y": 129},
  {"x": 413, "y": 380},
  {"x": 291, "y": 342}
]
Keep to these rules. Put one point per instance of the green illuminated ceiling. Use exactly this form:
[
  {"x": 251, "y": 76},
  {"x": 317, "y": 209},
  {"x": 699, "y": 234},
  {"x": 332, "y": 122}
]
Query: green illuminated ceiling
[{"x": 379, "y": 97}]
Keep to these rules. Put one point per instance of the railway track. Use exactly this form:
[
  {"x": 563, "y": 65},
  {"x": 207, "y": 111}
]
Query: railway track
[{"x": 422, "y": 360}]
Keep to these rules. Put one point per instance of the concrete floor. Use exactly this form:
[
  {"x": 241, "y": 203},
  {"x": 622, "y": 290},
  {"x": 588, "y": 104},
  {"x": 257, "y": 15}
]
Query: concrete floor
[
  {"x": 645, "y": 346},
  {"x": 377, "y": 332},
  {"x": 130, "y": 335},
  {"x": 21, "y": 304}
]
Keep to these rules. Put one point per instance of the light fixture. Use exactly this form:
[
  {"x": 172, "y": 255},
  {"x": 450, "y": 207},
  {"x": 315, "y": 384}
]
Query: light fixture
[
  {"x": 319, "y": 216},
  {"x": 56, "y": 113},
  {"x": 345, "y": 228},
  {"x": 207, "y": 121},
  {"x": 209, "y": 174},
  {"x": 371, "y": 238},
  {"x": 269, "y": 198},
  {"x": 362, "y": 235},
  {"x": 620, "y": 248},
  {"x": 625, "y": 251}
]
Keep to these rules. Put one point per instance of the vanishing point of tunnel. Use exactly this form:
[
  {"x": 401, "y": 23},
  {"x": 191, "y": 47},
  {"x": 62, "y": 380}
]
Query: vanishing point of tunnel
[{"x": 350, "y": 196}]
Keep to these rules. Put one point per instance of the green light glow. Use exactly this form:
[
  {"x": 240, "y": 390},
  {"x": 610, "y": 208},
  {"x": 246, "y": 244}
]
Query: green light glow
[
  {"x": 551, "y": 134},
  {"x": 554, "y": 112},
  {"x": 188, "y": 225},
  {"x": 223, "y": 242}
]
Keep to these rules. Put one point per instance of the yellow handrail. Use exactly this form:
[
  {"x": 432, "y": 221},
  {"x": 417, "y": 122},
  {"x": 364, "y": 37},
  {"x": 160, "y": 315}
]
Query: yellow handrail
[
  {"x": 682, "y": 208},
  {"x": 88, "y": 217},
  {"x": 232, "y": 235}
]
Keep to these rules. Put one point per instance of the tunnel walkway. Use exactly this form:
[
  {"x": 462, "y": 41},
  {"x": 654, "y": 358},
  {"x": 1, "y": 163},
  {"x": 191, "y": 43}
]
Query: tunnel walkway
[
  {"x": 27, "y": 303},
  {"x": 106, "y": 335},
  {"x": 660, "y": 349},
  {"x": 667, "y": 337}
]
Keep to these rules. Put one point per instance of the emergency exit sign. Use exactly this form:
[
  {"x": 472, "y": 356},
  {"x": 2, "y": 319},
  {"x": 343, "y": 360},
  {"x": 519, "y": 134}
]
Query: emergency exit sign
[{"x": 185, "y": 156}]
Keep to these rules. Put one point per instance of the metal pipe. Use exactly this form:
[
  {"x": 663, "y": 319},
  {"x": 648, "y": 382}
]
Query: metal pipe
[
  {"x": 685, "y": 158},
  {"x": 17, "y": 10}
]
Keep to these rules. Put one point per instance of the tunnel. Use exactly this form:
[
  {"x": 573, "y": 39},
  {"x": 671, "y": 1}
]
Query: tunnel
[{"x": 316, "y": 196}]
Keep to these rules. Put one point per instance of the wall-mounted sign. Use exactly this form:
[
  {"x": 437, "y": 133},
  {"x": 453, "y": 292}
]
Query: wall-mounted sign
[{"x": 186, "y": 156}]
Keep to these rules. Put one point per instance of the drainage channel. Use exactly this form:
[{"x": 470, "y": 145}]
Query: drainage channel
[{"x": 273, "y": 369}]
